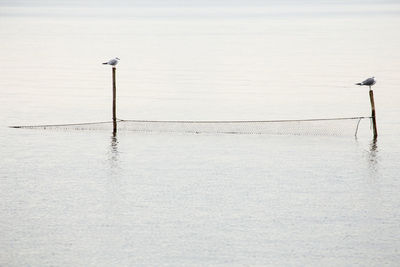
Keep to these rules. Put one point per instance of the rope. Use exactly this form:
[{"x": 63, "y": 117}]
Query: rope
[
  {"x": 184, "y": 121},
  {"x": 260, "y": 121},
  {"x": 60, "y": 125}
]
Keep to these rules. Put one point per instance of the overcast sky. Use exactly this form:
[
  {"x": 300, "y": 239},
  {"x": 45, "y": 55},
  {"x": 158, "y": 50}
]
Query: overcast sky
[{"x": 157, "y": 3}]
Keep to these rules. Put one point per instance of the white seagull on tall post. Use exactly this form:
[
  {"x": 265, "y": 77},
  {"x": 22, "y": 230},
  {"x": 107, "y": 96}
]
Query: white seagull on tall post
[
  {"x": 112, "y": 62},
  {"x": 369, "y": 82}
]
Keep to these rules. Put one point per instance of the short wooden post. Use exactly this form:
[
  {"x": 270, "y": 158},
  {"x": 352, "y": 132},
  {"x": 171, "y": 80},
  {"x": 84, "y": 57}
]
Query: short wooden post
[
  {"x": 114, "y": 107},
  {"x": 371, "y": 98}
]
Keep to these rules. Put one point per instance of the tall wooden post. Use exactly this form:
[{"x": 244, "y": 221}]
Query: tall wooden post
[
  {"x": 114, "y": 107},
  {"x": 371, "y": 98}
]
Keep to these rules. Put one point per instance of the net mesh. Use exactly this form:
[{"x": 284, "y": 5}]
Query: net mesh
[{"x": 335, "y": 126}]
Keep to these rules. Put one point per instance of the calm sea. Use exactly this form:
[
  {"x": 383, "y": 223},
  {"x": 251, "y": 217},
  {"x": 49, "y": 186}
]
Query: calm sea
[{"x": 86, "y": 198}]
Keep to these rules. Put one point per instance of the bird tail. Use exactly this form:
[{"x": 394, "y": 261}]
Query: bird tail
[
  {"x": 105, "y": 63},
  {"x": 359, "y": 84}
]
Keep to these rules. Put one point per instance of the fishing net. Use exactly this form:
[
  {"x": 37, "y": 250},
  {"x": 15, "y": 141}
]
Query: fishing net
[{"x": 335, "y": 126}]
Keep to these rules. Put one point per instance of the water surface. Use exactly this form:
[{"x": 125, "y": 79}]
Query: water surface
[{"x": 86, "y": 198}]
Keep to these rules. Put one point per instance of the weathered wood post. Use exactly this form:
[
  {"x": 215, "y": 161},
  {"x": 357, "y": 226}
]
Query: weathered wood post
[
  {"x": 371, "y": 98},
  {"x": 114, "y": 106}
]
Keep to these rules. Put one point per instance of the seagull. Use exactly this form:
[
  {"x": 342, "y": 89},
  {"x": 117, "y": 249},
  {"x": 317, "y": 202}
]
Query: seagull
[
  {"x": 369, "y": 82},
  {"x": 112, "y": 62}
]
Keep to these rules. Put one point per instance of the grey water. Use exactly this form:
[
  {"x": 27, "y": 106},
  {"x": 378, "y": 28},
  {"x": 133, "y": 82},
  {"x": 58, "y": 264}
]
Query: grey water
[{"x": 88, "y": 198}]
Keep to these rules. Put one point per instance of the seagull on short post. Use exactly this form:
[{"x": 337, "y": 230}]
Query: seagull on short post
[
  {"x": 112, "y": 62},
  {"x": 369, "y": 82}
]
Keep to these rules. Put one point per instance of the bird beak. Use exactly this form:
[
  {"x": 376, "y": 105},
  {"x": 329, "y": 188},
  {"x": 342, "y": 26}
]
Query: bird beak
[{"x": 118, "y": 58}]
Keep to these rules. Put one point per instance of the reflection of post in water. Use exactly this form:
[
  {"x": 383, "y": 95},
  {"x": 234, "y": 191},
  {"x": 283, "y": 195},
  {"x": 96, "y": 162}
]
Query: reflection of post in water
[
  {"x": 114, "y": 150},
  {"x": 373, "y": 154},
  {"x": 114, "y": 143}
]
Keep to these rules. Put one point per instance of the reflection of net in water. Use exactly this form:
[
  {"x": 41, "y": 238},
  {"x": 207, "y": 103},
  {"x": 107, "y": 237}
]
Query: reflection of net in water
[{"x": 336, "y": 126}]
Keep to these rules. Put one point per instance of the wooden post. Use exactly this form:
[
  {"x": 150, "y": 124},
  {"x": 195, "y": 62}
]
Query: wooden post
[
  {"x": 371, "y": 98},
  {"x": 114, "y": 108}
]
